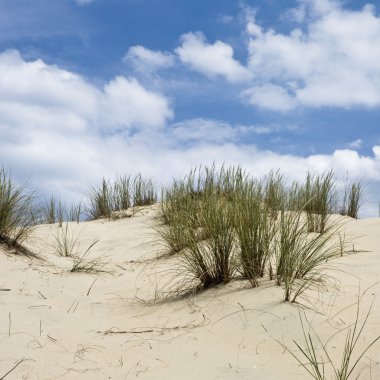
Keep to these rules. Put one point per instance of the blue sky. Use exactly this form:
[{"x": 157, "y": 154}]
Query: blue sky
[{"x": 98, "y": 87}]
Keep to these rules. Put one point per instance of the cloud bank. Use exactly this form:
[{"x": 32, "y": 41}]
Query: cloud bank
[{"x": 67, "y": 132}]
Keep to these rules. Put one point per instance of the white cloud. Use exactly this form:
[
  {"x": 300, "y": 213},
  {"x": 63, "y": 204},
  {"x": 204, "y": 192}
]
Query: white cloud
[
  {"x": 35, "y": 83},
  {"x": 65, "y": 134},
  {"x": 62, "y": 129},
  {"x": 200, "y": 130},
  {"x": 269, "y": 96},
  {"x": 212, "y": 60},
  {"x": 127, "y": 103},
  {"x": 56, "y": 98},
  {"x": 357, "y": 144},
  {"x": 205, "y": 130},
  {"x": 144, "y": 59},
  {"x": 268, "y": 129},
  {"x": 333, "y": 61}
]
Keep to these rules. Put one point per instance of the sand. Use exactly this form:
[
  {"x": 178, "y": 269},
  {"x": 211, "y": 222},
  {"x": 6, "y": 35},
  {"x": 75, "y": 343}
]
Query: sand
[{"x": 116, "y": 325}]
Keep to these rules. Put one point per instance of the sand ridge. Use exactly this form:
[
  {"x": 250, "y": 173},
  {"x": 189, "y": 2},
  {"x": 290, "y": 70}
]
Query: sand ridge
[{"x": 115, "y": 326}]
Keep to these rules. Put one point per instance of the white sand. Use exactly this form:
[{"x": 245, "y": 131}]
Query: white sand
[{"x": 63, "y": 329}]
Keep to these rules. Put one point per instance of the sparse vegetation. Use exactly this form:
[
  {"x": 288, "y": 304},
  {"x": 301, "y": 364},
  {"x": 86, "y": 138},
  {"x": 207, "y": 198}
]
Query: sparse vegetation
[
  {"x": 352, "y": 199},
  {"x": 84, "y": 263},
  {"x": 319, "y": 362},
  {"x": 17, "y": 216},
  {"x": 218, "y": 225},
  {"x": 318, "y": 200},
  {"x": 55, "y": 212},
  {"x": 113, "y": 199},
  {"x": 67, "y": 243},
  {"x": 144, "y": 193},
  {"x": 221, "y": 222}
]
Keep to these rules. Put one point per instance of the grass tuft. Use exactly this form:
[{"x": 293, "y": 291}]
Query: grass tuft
[
  {"x": 255, "y": 227},
  {"x": 318, "y": 200},
  {"x": 352, "y": 199},
  {"x": 112, "y": 199},
  {"x": 299, "y": 254},
  {"x": 17, "y": 214}
]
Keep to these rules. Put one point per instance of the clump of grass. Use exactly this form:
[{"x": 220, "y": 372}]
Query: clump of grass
[
  {"x": 222, "y": 222},
  {"x": 255, "y": 229},
  {"x": 75, "y": 212},
  {"x": 121, "y": 194},
  {"x": 275, "y": 192},
  {"x": 17, "y": 216},
  {"x": 318, "y": 360},
  {"x": 294, "y": 197},
  {"x": 177, "y": 214},
  {"x": 144, "y": 193},
  {"x": 113, "y": 199},
  {"x": 100, "y": 199},
  {"x": 53, "y": 212},
  {"x": 182, "y": 204},
  {"x": 299, "y": 254},
  {"x": 318, "y": 200},
  {"x": 196, "y": 219},
  {"x": 352, "y": 199},
  {"x": 210, "y": 261}
]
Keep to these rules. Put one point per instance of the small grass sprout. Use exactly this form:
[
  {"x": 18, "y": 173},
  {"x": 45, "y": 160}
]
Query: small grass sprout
[
  {"x": 318, "y": 357},
  {"x": 84, "y": 263}
]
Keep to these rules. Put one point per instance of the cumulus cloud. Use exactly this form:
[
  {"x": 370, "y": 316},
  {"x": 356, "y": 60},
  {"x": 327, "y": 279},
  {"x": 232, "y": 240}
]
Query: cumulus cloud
[
  {"x": 67, "y": 99},
  {"x": 54, "y": 122},
  {"x": 269, "y": 96},
  {"x": 212, "y": 60},
  {"x": 144, "y": 59},
  {"x": 126, "y": 103},
  {"x": 333, "y": 60}
]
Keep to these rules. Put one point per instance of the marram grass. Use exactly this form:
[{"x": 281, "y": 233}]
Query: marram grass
[
  {"x": 223, "y": 225},
  {"x": 17, "y": 214}
]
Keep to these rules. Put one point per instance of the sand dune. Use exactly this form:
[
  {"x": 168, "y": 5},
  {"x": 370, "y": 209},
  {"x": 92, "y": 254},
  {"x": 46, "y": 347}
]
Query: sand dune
[{"x": 115, "y": 325}]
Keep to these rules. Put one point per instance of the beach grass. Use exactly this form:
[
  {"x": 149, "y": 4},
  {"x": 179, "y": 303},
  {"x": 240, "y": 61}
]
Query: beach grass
[
  {"x": 300, "y": 255},
  {"x": 318, "y": 199},
  {"x": 318, "y": 360},
  {"x": 352, "y": 199},
  {"x": 112, "y": 199},
  {"x": 223, "y": 223},
  {"x": 17, "y": 212}
]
